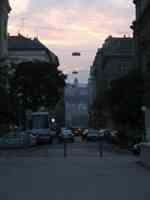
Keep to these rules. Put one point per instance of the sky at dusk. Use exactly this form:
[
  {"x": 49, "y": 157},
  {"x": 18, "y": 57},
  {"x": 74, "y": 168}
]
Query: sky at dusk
[{"x": 66, "y": 26}]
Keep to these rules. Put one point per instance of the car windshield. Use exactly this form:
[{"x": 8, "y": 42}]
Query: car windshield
[
  {"x": 92, "y": 133},
  {"x": 66, "y": 132},
  {"x": 40, "y": 122}
]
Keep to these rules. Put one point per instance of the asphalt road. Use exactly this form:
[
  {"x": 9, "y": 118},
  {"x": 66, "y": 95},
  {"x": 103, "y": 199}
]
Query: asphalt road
[{"x": 43, "y": 174}]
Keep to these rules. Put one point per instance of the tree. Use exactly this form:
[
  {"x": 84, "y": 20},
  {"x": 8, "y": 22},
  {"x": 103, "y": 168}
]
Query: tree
[
  {"x": 6, "y": 112},
  {"x": 125, "y": 102},
  {"x": 34, "y": 85}
]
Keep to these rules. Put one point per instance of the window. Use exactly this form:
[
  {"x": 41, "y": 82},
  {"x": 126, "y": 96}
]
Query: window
[
  {"x": 40, "y": 122},
  {"x": 124, "y": 69}
]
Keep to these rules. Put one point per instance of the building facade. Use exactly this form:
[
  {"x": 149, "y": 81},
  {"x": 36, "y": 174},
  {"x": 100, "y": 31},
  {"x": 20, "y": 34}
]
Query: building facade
[
  {"x": 76, "y": 105},
  {"x": 4, "y": 10},
  {"x": 141, "y": 29},
  {"x": 117, "y": 58},
  {"x": 92, "y": 86},
  {"x": 112, "y": 62}
]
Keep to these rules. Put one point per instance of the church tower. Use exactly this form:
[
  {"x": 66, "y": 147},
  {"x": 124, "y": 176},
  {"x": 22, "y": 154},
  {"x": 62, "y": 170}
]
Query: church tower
[
  {"x": 76, "y": 82},
  {"x": 4, "y": 11}
]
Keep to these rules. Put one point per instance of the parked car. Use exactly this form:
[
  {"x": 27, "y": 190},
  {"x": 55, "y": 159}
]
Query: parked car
[
  {"x": 17, "y": 140},
  {"x": 105, "y": 133},
  {"x": 42, "y": 135},
  {"x": 109, "y": 135},
  {"x": 84, "y": 134},
  {"x": 77, "y": 131},
  {"x": 114, "y": 133},
  {"x": 114, "y": 137},
  {"x": 66, "y": 135},
  {"x": 135, "y": 149},
  {"x": 29, "y": 138},
  {"x": 92, "y": 135}
]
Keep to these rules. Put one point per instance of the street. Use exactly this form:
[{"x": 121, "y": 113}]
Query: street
[
  {"x": 74, "y": 75},
  {"x": 43, "y": 173}
]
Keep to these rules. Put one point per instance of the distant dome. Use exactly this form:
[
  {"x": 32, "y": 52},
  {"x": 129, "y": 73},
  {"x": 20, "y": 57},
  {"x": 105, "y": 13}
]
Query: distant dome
[{"x": 76, "y": 82}]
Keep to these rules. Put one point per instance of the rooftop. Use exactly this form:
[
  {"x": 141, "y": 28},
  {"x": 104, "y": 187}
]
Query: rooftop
[
  {"x": 119, "y": 45},
  {"x": 19, "y": 42}
]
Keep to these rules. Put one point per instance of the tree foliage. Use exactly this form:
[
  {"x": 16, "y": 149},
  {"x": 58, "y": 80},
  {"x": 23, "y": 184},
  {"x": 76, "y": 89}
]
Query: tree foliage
[
  {"x": 125, "y": 99},
  {"x": 34, "y": 85}
]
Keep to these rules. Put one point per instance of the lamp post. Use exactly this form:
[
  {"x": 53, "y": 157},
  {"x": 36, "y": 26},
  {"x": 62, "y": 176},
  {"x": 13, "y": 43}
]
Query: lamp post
[
  {"x": 53, "y": 123},
  {"x": 53, "y": 120},
  {"x": 144, "y": 109}
]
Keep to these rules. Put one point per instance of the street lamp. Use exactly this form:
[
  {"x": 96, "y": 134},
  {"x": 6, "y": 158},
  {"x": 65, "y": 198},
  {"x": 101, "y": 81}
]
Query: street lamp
[
  {"x": 53, "y": 120},
  {"x": 144, "y": 108}
]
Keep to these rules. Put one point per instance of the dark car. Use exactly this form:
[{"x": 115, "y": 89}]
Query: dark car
[
  {"x": 42, "y": 135},
  {"x": 92, "y": 135},
  {"x": 109, "y": 135},
  {"x": 66, "y": 135},
  {"x": 135, "y": 149},
  {"x": 106, "y": 133}
]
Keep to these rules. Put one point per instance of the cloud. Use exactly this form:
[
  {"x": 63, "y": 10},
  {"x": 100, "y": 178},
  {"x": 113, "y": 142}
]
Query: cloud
[
  {"x": 72, "y": 25},
  {"x": 19, "y": 7},
  {"x": 76, "y": 18}
]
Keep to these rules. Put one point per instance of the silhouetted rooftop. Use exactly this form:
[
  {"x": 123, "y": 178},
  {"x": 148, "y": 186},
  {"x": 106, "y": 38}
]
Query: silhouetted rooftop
[
  {"x": 20, "y": 42},
  {"x": 118, "y": 45}
]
